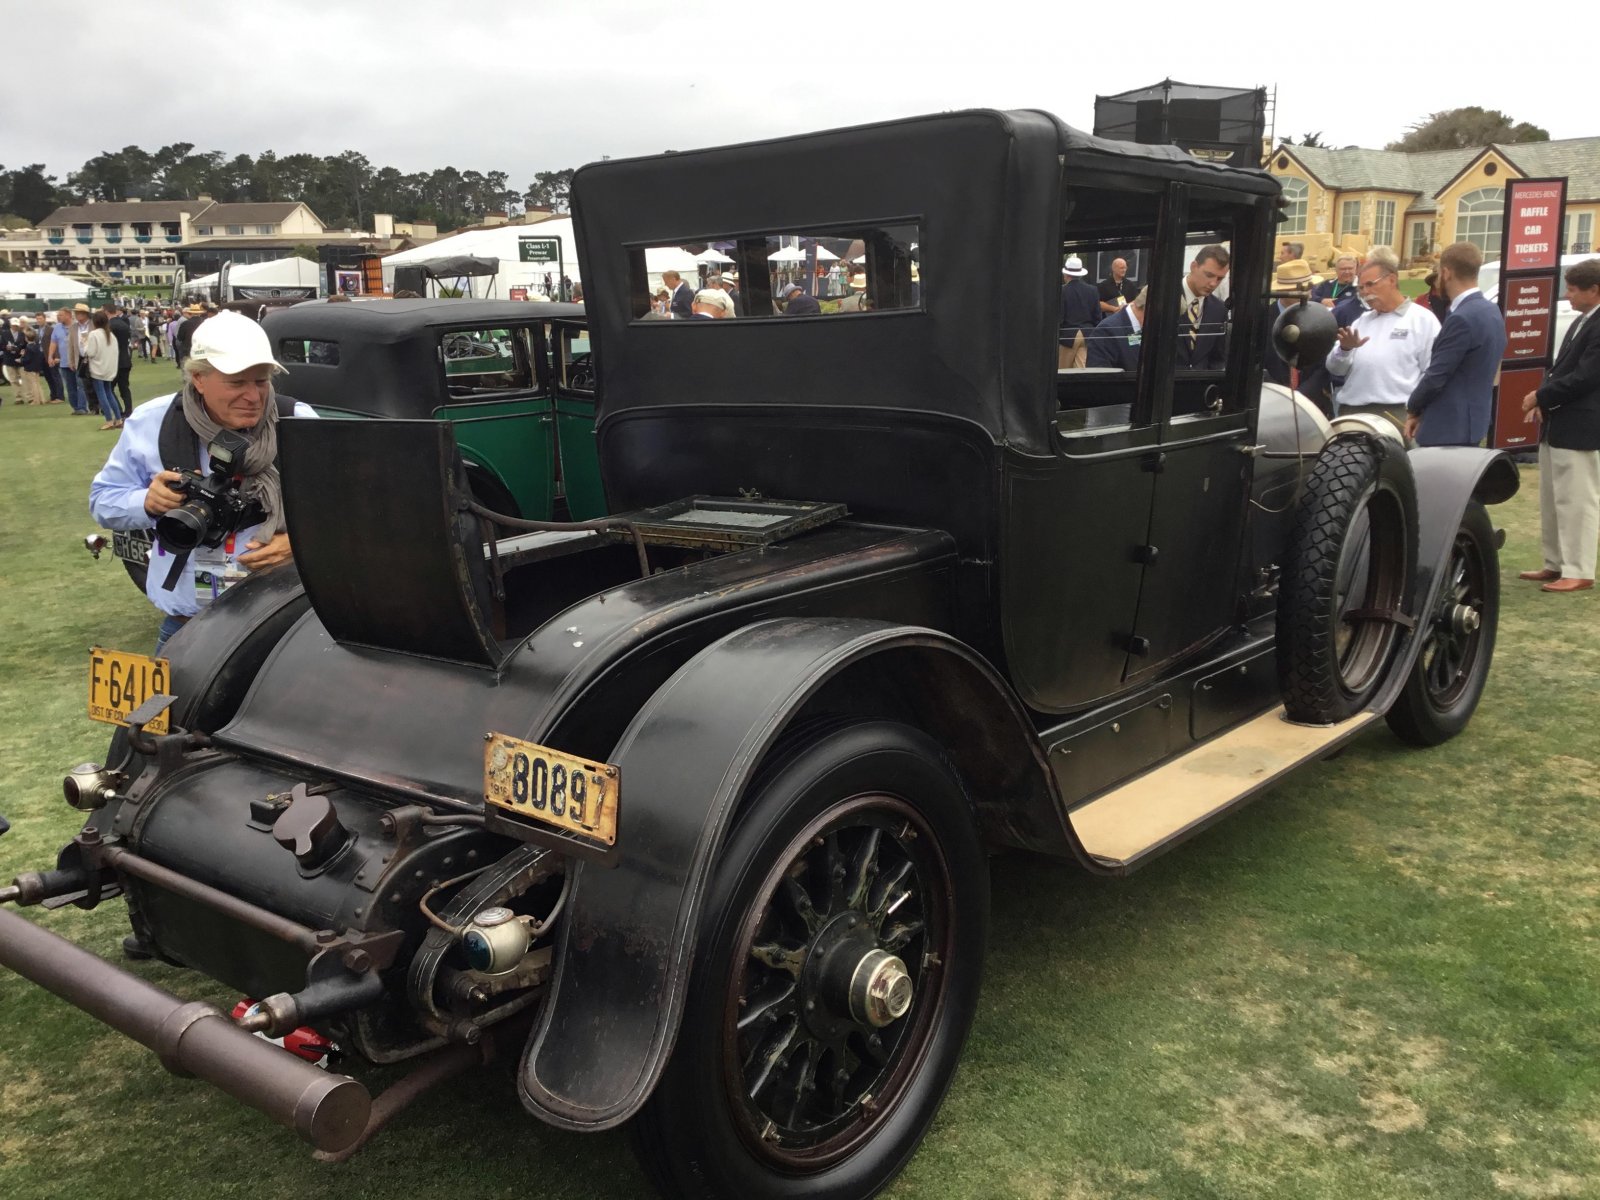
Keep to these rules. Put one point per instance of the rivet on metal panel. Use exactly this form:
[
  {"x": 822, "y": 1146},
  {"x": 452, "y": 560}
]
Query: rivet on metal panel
[{"x": 1116, "y": 727}]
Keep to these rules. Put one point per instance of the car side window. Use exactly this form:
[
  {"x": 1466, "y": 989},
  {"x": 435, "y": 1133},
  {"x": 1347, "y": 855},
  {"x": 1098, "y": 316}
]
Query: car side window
[
  {"x": 485, "y": 363},
  {"x": 1107, "y": 249},
  {"x": 314, "y": 351},
  {"x": 576, "y": 365}
]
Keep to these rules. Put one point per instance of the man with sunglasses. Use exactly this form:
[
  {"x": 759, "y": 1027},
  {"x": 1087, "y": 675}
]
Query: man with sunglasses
[{"x": 1381, "y": 356}]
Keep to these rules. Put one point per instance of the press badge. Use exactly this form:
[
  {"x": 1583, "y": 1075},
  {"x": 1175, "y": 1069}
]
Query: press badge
[
  {"x": 1397, "y": 334},
  {"x": 1135, "y": 338},
  {"x": 215, "y": 570}
]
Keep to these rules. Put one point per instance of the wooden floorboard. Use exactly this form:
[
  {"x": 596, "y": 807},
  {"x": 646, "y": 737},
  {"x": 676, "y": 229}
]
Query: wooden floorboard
[{"x": 1135, "y": 818}]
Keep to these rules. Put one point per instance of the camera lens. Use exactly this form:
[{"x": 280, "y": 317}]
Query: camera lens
[{"x": 182, "y": 529}]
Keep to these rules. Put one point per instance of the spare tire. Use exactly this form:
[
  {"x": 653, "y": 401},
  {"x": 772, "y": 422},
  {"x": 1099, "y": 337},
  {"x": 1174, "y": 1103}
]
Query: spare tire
[{"x": 1345, "y": 580}]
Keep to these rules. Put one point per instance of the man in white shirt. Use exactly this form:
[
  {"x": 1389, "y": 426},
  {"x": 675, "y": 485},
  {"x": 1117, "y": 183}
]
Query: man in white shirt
[
  {"x": 227, "y": 385},
  {"x": 1383, "y": 354}
]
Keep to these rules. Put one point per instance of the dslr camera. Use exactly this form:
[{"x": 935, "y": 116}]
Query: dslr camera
[{"x": 212, "y": 505}]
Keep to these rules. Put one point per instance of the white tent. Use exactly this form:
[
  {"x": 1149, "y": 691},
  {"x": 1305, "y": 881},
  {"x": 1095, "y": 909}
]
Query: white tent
[
  {"x": 502, "y": 242},
  {"x": 261, "y": 280},
  {"x": 40, "y": 285}
]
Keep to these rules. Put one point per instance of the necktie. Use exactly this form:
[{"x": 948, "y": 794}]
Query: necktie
[{"x": 1194, "y": 322}]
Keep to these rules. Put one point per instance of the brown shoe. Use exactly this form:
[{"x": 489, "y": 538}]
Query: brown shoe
[
  {"x": 1568, "y": 585},
  {"x": 1540, "y": 576}
]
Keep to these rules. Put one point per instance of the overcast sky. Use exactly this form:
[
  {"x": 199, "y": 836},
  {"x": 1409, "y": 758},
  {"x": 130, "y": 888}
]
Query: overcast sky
[{"x": 420, "y": 84}]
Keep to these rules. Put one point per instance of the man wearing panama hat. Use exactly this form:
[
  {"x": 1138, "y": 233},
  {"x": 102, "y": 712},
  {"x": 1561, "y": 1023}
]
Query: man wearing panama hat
[
  {"x": 1080, "y": 312},
  {"x": 1311, "y": 380},
  {"x": 192, "y": 316}
]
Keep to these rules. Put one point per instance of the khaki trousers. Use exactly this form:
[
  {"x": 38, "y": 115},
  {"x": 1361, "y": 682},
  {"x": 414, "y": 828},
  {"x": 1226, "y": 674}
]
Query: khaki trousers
[
  {"x": 1074, "y": 357},
  {"x": 29, "y": 385},
  {"x": 1569, "y": 510}
]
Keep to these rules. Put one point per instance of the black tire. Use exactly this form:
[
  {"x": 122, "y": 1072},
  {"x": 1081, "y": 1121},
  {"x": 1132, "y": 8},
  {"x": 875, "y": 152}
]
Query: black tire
[
  {"x": 136, "y": 572},
  {"x": 856, "y": 838},
  {"x": 1446, "y": 682},
  {"x": 1346, "y": 575}
]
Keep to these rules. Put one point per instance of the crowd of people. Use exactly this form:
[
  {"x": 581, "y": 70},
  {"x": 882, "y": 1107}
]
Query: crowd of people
[
  {"x": 1429, "y": 365},
  {"x": 82, "y": 357}
]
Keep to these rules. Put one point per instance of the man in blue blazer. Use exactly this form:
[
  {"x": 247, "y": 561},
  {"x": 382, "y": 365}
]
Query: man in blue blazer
[
  {"x": 1451, "y": 404},
  {"x": 1203, "y": 319},
  {"x": 1116, "y": 341}
]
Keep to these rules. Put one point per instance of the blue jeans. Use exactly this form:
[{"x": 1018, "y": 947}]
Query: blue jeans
[
  {"x": 73, "y": 387},
  {"x": 108, "y": 399},
  {"x": 169, "y": 626}
]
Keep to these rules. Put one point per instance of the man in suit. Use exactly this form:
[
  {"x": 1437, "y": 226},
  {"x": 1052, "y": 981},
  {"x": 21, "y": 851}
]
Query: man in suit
[
  {"x": 1080, "y": 313},
  {"x": 1568, "y": 408},
  {"x": 1450, "y": 406},
  {"x": 1203, "y": 323},
  {"x": 1342, "y": 286},
  {"x": 1116, "y": 341},
  {"x": 681, "y": 305}
]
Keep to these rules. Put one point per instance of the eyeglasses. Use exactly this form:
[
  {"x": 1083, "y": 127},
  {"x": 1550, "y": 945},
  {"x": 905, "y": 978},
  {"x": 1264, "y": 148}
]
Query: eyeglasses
[{"x": 1366, "y": 285}]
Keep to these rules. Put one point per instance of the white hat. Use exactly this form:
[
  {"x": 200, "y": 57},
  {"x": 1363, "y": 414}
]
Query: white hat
[
  {"x": 714, "y": 298},
  {"x": 1074, "y": 267},
  {"x": 231, "y": 343}
]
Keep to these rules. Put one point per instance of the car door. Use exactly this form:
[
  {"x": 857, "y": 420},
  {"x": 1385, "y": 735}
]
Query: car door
[
  {"x": 1077, "y": 522},
  {"x": 576, "y": 397},
  {"x": 1190, "y": 588},
  {"x": 498, "y": 398}
]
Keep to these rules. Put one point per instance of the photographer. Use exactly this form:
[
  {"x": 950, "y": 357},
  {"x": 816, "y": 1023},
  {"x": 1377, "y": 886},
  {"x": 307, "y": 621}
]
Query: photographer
[{"x": 163, "y": 450}]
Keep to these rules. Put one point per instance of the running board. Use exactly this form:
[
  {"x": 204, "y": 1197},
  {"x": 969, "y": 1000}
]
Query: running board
[{"x": 1125, "y": 826}]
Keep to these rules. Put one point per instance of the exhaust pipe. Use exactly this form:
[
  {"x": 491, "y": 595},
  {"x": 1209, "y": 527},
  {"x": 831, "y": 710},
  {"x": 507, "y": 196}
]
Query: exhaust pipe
[{"x": 192, "y": 1038}]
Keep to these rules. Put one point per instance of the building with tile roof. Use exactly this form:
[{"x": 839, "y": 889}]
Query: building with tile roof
[
  {"x": 1418, "y": 203},
  {"x": 141, "y": 243}
]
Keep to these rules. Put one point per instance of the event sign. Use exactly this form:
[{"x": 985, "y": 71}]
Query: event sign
[
  {"x": 1530, "y": 283},
  {"x": 1512, "y": 430},
  {"x": 1534, "y": 221},
  {"x": 1529, "y": 301},
  {"x": 538, "y": 250}
]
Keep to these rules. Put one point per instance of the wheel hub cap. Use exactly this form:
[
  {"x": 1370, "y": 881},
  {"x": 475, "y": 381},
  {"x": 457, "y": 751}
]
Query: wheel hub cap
[
  {"x": 881, "y": 990},
  {"x": 1464, "y": 619}
]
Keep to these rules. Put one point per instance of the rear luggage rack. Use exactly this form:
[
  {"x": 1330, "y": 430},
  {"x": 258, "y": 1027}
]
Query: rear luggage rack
[{"x": 721, "y": 523}]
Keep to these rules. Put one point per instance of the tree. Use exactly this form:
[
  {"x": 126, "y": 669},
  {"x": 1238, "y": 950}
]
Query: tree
[
  {"x": 550, "y": 189},
  {"x": 30, "y": 193},
  {"x": 1463, "y": 128}
]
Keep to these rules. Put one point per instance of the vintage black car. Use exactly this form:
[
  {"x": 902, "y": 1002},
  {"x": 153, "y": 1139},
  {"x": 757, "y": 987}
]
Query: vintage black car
[{"x": 691, "y": 807}]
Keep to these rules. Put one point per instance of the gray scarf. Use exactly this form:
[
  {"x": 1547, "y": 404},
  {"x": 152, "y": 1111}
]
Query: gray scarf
[{"x": 259, "y": 468}]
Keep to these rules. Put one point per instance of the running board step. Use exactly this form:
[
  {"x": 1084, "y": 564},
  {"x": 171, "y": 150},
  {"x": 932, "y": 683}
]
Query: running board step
[{"x": 1125, "y": 826}]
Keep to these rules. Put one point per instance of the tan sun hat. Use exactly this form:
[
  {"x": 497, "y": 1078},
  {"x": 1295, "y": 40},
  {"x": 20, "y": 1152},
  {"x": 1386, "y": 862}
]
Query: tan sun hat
[
  {"x": 81, "y": 308},
  {"x": 1296, "y": 273}
]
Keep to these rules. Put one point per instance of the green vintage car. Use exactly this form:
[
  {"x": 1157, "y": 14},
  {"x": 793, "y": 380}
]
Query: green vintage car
[{"x": 513, "y": 378}]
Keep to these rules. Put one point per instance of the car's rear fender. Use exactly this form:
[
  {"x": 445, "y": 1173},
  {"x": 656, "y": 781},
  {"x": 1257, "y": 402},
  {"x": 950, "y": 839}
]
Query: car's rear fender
[{"x": 626, "y": 953}]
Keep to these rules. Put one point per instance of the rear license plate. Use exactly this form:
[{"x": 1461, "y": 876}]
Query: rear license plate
[
  {"x": 556, "y": 789},
  {"x": 119, "y": 682},
  {"x": 129, "y": 546}
]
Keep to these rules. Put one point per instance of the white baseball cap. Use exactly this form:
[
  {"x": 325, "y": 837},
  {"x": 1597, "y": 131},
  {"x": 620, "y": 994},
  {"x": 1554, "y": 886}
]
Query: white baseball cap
[{"x": 231, "y": 343}]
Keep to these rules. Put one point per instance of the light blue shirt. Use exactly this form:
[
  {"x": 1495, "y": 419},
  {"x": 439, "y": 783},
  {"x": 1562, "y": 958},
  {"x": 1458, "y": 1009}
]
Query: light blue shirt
[
  {"x": 61, "y": 335},
  {"x": 116, "y": 499}
]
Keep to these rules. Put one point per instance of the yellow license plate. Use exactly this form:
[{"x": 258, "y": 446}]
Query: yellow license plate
[
  {"x": 553, "y": 788},
  {"x": 119, "y": 682}
]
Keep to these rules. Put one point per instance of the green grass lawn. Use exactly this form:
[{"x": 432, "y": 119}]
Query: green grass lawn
[{"x": 1380, "y": 982}]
